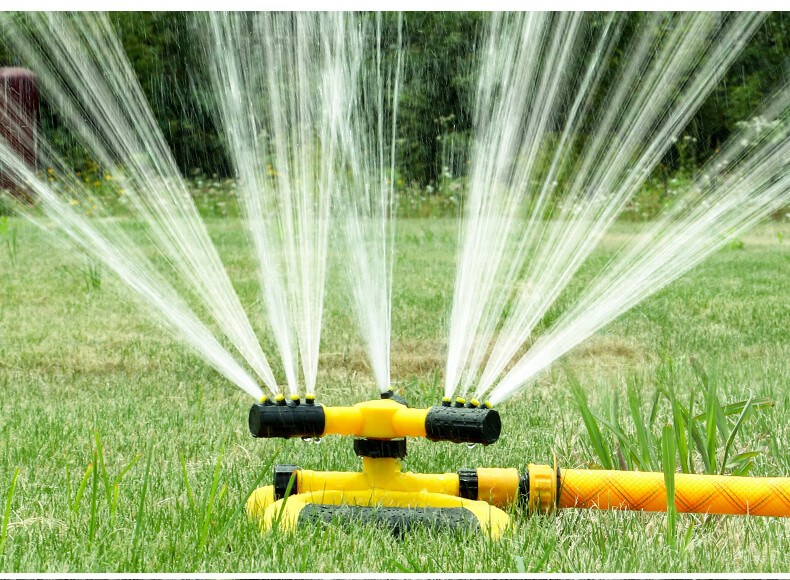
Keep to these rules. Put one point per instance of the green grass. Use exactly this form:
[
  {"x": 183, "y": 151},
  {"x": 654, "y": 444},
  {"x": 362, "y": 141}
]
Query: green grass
[{"x": 135, "y": 456}]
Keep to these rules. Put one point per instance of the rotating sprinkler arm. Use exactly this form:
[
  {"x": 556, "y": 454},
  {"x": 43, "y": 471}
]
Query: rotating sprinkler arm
[{"x": 382, "y": 419}]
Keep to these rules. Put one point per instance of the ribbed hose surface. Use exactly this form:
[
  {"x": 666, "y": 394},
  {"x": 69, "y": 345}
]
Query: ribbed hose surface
[{"x": 715, "y": 494}]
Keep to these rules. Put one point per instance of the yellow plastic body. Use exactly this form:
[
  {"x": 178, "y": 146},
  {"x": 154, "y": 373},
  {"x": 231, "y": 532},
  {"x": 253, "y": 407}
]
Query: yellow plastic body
[
  {"x": 381, "y": 483},
  {"x": 379, "y": 419},
  {"x": 497, "y": 486}
]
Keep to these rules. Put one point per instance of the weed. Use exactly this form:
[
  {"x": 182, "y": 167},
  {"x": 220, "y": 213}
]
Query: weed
[
  {"x": 8, "y": 232},
  {"x": 93, "y": 274}
]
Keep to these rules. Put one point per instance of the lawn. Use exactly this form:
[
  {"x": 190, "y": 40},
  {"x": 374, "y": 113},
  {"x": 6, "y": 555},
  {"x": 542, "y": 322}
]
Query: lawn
[{"x": 86, "y": 378}]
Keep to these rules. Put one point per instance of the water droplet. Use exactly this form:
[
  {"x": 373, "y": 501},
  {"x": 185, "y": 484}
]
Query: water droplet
[
  {"x": 307, "y": 439},
  {"x": 317, "y": 440},
  {"x": 471, "y": 445}
]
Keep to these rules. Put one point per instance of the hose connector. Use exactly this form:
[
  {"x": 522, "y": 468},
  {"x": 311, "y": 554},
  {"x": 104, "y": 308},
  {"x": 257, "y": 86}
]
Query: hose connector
[{"x": 542, "y": 488}]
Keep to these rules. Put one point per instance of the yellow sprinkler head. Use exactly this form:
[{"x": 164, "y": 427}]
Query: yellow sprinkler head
[{"x": 460, "y": 402}]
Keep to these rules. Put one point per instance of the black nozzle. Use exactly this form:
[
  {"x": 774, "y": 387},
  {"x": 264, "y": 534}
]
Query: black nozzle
[
  {"x": 463, "y": 425},
  {"x": 393, "y": 396},
  {"x": 286, "y": 420}
]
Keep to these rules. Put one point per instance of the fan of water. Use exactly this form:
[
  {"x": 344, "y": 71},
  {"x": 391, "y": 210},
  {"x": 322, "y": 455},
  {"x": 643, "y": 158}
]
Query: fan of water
[
  {"x": 65, "y": 202},
  {"x": 84, "y": 72},
  {"x": 560, "y": 150},
  {"x": 747, "y": 182},
  {"x": 310, "y": 125},
  {"x": 305, "y": 122}
]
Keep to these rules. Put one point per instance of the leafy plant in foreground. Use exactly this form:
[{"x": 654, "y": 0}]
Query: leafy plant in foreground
[{"x": 704, "y": 437}]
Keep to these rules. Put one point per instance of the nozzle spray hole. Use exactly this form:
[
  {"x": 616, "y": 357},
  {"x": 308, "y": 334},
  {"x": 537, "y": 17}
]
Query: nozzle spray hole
[
  {"x": 471, "y": 445},
  {"x": 317, "y": 440},
  {"x": 307, "y": 439}
]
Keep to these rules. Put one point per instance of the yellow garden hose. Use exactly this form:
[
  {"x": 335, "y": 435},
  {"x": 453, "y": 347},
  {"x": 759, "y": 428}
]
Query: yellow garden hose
[{"x": 702, "y": 494}]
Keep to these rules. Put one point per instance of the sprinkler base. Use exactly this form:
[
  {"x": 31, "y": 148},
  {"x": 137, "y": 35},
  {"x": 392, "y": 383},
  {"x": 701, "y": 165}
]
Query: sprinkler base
[{"x": 382, "y": 495}]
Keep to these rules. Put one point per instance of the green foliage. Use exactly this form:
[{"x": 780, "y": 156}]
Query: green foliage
[
  {"x": 440, "y": 52},
  {"x": 703, "y": 442},
  {"x": 164, "y": 51},
  {"x": 438, "y": 88}
]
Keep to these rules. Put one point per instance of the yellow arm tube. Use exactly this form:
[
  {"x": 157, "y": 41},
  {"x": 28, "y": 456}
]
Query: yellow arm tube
[
  {"x": 382, "y": 419},
  {"x": 703, "y": 494}
]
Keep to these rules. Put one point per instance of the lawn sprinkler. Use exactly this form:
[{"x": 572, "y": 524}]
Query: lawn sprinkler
[{"x": 472, "y": 499}]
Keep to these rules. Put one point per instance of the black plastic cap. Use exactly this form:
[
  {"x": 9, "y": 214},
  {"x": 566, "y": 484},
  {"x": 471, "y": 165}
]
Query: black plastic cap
[
  {"x": 462, "y": 425},
  {"x": 467, "y": 483},
  {"x": 282, "y": 477},
  {"x": 286, "y": 420},
  {"x": 523, "y": 489},
  {"x": 393, "y": 396},
  {"x": 375, "y": 448}
]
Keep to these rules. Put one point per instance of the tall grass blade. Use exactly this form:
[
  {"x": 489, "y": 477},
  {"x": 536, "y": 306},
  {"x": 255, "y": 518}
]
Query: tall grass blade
[
  {"x": 139, "y": 525},
  {"x": 81, "y": 489},
  {"x": 589, "y": 421},
  {"x": 285, "y": 499},
  {"x": 710, "y": 425},
  {"x": 114, "y": 505},
  {"x": 105, "y": 477},
  {"x": 635, "y": 404},
  {"x": 668, "y": 453},
  {"x": 94, "y": 493},
  {"x": 679, "y": 425},
  {"x": 731, "y": 439},
  {"x": 7, "y": 512},
  {"x": 125, "y": 470},
  {"x": 654, "y": 408},
  {"x": 690, "y": 425}
]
